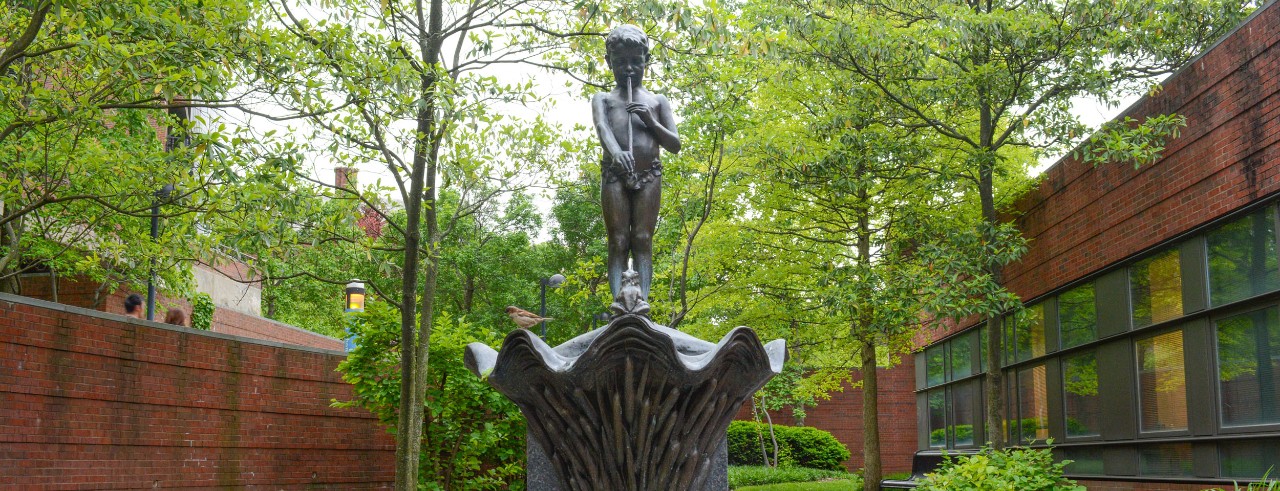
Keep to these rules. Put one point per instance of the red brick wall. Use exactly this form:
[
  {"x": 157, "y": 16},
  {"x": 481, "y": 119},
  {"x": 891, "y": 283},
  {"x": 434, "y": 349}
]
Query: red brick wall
[
  {"x": 235, "y": 323},
  {"x": 98, "y": 401},
  {"x": 842, "y": 416},
  {"x": 226, "y": 321},
  {"x": 1082, "y": 219}
]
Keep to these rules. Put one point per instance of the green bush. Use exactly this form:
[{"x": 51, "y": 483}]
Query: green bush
[
  {"x": 473, "y": 437},
  {"x": 202, "y": 311},
  {"x": 740, "y": 476},
  {"x": 990, "y": 470},
  {"x": 797, "y": 446}
]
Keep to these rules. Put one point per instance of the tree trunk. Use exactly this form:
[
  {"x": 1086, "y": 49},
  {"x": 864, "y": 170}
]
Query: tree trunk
[
  {"x": 10, "y": 242},
  {"x": 994, "y": 390},
  {"x": 415, "y": 349},
  {"x": 871, "y": 473}
]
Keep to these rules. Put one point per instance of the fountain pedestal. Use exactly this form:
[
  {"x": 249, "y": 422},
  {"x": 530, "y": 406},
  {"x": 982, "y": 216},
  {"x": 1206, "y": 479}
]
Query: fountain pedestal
[{"x": 630, "y": 406}]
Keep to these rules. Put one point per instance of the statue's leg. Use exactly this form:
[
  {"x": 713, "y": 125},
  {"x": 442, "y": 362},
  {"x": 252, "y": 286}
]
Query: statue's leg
[
  {"x": 617, "y": 223},
  {"x": 644, "y": 219}
]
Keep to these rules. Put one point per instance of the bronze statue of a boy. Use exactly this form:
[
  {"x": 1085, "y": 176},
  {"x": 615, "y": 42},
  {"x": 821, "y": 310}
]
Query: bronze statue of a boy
[{"x": 632, "y": 124}]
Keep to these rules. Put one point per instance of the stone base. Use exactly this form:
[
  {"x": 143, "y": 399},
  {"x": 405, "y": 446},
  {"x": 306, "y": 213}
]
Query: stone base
[{"x": 540, "y": 476}]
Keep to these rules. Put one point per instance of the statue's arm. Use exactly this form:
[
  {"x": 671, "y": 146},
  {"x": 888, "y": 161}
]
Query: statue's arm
[
  {"x": 600, "y": 116},
  {"x": 665, "y": 130}
]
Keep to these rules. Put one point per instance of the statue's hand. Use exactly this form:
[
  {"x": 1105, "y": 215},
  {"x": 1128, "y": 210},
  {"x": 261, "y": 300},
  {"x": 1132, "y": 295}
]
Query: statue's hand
[
  {"x": 641, "y": 109},
  {"x": 625, "y": 161}
]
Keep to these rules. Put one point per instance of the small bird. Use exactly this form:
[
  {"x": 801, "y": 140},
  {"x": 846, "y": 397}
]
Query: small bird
[{"x": 524, "y": 318}]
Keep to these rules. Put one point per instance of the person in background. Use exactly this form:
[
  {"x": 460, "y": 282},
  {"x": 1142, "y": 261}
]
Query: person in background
[
  {"x": 133, "y": 306},
  {"x": 176, "y": 316}
]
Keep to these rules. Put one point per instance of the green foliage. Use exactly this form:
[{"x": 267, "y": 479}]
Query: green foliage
[
  {"x": 202, "y": 308},
  {"x": 997, "y": 470},
  {"x": 1128, "y": 140},
  {"x": 473, "y": 437},
  {"x": 81, "y": 99},
  {"x": 800, "y": 446},
  {"x": 740, "y": 475}
]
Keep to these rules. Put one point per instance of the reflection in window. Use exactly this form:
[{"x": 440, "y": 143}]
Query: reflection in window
[
  {"x": 1249, "y": 459},
  {"x": 1248, "y": 364},
  {"x": 1242, "y": 259},
  {"x": 1083, "y": 461},
  {"x": 1080, "y": 385},
  {"x": 961, "y": 357},
  {"x": 935, "y": 366},
  {"x": 1028, "y": 334},
  {"x": 1031, "y": 420},
  {"x": 937, "y": 419},
  {"x": 1168, "y": 459},
  {"x": 1156, "y": 287},
  {"x": 1162, "y": 386},
  {"x": 982, "y": 349},
  {"x": 965, "y": 397},
  {"x": 1078, "y": 316}
]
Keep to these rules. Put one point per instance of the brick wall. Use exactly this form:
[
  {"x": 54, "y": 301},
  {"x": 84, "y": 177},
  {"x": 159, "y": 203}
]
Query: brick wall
[
  {"x": 842, "y": 416},
  {"x": 1082, "y": 219},
  {"x": 226, "y": 321},
  {"x": 98, "y": 401}
]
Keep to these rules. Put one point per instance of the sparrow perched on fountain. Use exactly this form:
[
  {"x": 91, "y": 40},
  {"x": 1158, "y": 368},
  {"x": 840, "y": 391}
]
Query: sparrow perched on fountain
[{"x": 524, "y": 318}]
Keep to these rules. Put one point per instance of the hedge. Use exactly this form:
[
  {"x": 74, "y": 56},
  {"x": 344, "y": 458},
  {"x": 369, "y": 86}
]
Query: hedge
[{"x": 797, "y": 446}]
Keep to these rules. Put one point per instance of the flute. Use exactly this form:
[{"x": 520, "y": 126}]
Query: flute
[{"x": 629, "y": 116}]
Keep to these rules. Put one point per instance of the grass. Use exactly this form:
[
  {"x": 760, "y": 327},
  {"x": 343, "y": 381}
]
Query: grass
[
  {"x": 841, "y": 485},
  {"x": 793, "y": 479}
]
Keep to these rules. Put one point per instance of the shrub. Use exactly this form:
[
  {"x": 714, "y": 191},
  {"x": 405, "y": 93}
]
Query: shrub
[
  {"x": 473, "y": 437},
  {"x": 202, "y": 311},
  {"x": 991, "y": 470},
  {"x": 797, "y": 446}
]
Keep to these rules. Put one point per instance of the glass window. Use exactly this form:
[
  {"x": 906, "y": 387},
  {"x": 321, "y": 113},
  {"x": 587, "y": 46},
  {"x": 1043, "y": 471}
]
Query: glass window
[
  {"x": 1031, "y": 421},
  {"x": 1083, "y": 461},
  {"x": 1028, "y": 335},
  {"x": 935, "y": 367},
  {"x": 965, "y": 396},
  {"x": 1156, "y": 287},
  {"x": 961, "y": 356},
  {"x": 1249, "y": 459},
  {"x": 1248, "y": 364},
  {"x": 1078, "y": 316},
  {"x": 1162, "y": 384},
  {"x": 982, "y": 349},
  {"x": 1166, "y": 459},
  {"x": 1242, "y": 259},
  {"x": 937, "y": 419},
  {"x": 1082, "y": 406}
]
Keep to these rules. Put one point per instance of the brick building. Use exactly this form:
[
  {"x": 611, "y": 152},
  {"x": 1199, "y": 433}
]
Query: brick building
[{"x": 1150, "y": 349}]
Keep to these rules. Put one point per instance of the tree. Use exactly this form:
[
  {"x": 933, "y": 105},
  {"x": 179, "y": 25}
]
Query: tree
[
  {"x": 993, "y": 76},
  {"x": 398, "y": 83},
  {"x": 84, "y": 89}
]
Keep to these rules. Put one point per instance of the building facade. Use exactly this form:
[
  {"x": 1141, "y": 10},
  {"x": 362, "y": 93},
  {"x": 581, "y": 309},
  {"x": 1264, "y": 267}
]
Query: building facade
[{"x": 1149, "y": 351}]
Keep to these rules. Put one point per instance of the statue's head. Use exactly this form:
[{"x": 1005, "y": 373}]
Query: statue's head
[{"x": 627, "y": 52}]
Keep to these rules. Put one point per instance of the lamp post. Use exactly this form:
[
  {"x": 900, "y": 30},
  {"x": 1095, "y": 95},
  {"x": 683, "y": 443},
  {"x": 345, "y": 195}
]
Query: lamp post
[
  {"x": 161, "y": 194},
  {"x": 171, "y": 142},
  {"x": 554, "y": 281},
  {"x": 353, "y": 301},
  {"x": 601, "y": 318}
]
